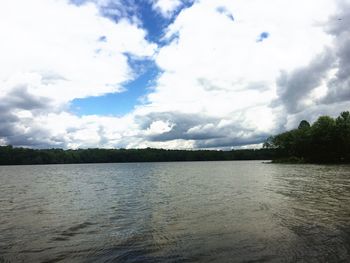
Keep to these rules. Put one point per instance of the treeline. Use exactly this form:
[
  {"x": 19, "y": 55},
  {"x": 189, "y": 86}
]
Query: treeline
[
  {"x": 12, "y": 155},
  {"x": 327, "y": 140}
]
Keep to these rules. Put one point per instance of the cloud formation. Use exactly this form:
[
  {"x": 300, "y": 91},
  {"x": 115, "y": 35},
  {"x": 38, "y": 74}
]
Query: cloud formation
[
  {"x": 54, "y": 51},
  {"x": 294, "y": 88},
  {"x": 63, "y": 59},
  {"x": 231, "y": 72},
  {"x": 322, "y": 86},
  {"x": 339, "y": 84},
  {"x": 213, "y": 67},
  {"x": 166, "y": 7}
]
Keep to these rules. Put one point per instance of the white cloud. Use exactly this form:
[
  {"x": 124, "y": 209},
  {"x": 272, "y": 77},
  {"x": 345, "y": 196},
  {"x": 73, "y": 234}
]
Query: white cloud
[
  {"x": 159, "y": 127},
  {"x": 171, "y": 144},
  {"x": 216, "y": 88},
  {"x": 214, "y": 65},
  {"x": 166, "y": 7},
  {"x": 63, "y": 52},
  {"x": 53, "y": 52}
]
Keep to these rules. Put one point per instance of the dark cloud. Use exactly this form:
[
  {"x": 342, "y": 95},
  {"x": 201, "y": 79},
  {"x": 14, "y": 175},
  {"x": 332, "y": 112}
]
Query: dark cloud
[
  {"x": 232, "y": 142},
  {"x": 206, "y": 131},
  {"x": 339, "y": 27},
  {"x": 181, "y": 124},
  {"x": 20, "y": 98},
  {"x": 311, "y": 114},
  {"x": 294, "y": 87},
  {"x": 22, "y": 131}
]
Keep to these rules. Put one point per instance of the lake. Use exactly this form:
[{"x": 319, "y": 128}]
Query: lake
[{"x": 175, "y": 212}]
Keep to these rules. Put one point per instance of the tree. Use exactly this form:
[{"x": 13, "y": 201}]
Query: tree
[
  {"x": 343, "y": 135},
  {"x": 326, "y": 140},
  {"x": 304, "y": 125}
]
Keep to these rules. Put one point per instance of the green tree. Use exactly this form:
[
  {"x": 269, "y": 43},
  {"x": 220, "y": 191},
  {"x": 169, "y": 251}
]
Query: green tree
[
  {"x": 342, "y": 130},
  {"x": 323, "y": 140},
  {"x": 326, "y": 140},
  {"x": 304, "y": 125}
]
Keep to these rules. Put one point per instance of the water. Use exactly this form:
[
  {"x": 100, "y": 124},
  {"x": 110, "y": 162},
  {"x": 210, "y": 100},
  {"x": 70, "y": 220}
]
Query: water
[{"x": 175, "y": 212}]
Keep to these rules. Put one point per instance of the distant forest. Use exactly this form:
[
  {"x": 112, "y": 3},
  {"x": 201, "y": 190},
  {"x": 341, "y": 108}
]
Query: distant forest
[
  {"x": 327, "y": 140},
  {"x": 12, "y": 156}
]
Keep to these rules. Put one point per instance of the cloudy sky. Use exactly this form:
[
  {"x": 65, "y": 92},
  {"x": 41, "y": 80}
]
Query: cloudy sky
[{"x": 169, "y": 73}]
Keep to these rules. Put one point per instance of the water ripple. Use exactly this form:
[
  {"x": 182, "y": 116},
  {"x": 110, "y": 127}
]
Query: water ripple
[{"x": 175, "y": 212}]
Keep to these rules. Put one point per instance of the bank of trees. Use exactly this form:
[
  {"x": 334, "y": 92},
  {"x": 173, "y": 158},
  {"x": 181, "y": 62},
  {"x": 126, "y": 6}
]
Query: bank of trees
[
  {"x": 327, "y": 140},
  {"x": 12, "y": 155}
]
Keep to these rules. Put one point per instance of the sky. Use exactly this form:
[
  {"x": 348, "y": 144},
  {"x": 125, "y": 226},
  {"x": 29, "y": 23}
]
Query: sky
[{"x": 175, "y": 74}]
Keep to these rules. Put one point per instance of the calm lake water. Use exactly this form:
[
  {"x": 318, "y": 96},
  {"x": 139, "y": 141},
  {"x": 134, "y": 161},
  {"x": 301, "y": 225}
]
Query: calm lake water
[{"x": 175, "y": 212}]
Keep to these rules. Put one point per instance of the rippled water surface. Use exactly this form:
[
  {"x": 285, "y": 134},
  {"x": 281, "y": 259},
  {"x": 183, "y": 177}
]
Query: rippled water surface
[{"x": 175, "y": 212}]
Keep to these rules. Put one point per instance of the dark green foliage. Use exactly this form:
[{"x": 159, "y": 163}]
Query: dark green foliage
[
  {"x": 327, "y": 140},
  {"x": 10, "y": 155},
  {"x": 304, "y": 125}
]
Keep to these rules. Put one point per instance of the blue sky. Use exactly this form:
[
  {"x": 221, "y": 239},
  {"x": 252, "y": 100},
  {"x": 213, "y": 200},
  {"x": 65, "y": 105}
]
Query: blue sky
[
  {"x": 123, "y": 102},
  {"x": 145, "y": 70},
  {"x": 183, "y": 74}
]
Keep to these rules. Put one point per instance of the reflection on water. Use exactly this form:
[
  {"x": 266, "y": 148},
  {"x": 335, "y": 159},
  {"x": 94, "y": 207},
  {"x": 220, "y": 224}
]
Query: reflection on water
[{"x": 174, "y": 212}]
